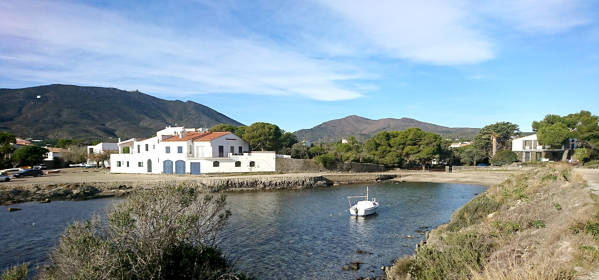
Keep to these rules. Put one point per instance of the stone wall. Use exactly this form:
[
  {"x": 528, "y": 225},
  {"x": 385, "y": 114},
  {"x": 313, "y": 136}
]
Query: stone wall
[{"x": 289, "y": 165}]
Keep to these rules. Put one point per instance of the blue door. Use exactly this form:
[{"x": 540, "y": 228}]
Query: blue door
[
  {"x": 195, "y": 168},
  {"x": 167, "y": 167},
  {"x": 179, "y": 167}
]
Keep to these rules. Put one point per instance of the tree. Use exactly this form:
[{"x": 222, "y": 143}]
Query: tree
[
  {"x": 582, "y": 154},
  {"x": 316, "y": 150},
  {"x": 556, "y": 130},
  {"x": 29, "y": 155},
  {"x": 287, "y": 140},
  {"x": 299, "y": 150},
  {"x": 64, "y": 143},
  {"x": 6, "y": 149},
  {"x": 503, "y": 157},
  {"x": 263, "y": 136},
  {"x": 499, "y": 133},
  {"x": 223, "y": 127},
  {"x": 75, "y": 154},
  {"x": 471, "y": 155},
  {"x": 100, "y": 158}
]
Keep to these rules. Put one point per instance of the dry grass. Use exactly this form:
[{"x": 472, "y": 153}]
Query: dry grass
[{"x": 542, "y": 224}]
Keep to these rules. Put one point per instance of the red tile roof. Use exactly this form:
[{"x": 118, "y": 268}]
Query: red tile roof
[{"x": 197, "y": 136}]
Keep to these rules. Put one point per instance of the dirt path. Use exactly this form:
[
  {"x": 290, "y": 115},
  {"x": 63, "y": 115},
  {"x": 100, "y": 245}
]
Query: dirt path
[{"x": 592, "y": 178}]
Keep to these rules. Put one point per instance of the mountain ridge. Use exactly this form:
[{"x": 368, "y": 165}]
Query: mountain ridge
[
  {"x": 86, "y": 112},
  {"x": 363, "y": 128}
]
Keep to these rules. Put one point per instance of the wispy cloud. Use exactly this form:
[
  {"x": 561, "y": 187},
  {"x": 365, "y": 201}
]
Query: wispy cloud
[
  {"x": 50, "y": 42},
  {"x": 544, "y": 16},
  {"x": 432, "y": 31}
]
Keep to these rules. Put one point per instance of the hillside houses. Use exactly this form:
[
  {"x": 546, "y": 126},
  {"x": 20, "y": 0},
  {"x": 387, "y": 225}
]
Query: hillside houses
[{"x": 180, "y": 150}]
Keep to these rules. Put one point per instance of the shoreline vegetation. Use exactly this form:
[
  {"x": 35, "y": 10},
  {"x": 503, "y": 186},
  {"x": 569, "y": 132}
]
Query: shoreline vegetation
[
  {"x": 540, "y": 224},
  {"x": 77, "y": 184}
]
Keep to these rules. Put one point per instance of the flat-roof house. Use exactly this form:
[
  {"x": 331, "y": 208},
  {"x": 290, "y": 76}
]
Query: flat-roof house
[
  {"x": 182, "y": 150},
  {"x": 53, "y": 153},
  {"x": 528, "y": 149},
  {"x": 102, "y": 148}
]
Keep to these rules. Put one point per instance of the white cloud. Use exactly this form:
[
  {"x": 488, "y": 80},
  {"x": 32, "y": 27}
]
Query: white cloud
[
  {"x": 50, "y": 42},
  {"x": 544, "y": 16},
  {"x": 432, "y": 31}
]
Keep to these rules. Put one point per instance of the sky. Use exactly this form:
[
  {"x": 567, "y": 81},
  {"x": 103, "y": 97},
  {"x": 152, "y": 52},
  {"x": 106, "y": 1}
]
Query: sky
[{"x": 300, "y": 63}]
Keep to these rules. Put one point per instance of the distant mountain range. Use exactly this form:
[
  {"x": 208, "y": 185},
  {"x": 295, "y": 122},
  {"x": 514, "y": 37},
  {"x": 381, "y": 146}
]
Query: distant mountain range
[
  {"x": 363, "y": 128},
  {"x": 66, "y": 111}
]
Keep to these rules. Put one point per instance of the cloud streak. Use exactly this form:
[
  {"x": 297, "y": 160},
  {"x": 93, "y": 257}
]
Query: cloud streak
[{"x": 80, "y": 44}]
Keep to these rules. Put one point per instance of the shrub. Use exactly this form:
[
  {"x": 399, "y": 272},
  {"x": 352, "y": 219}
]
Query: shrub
[
  {"x": 165, "y": 233},
  {"x": 327, "y": 161},
  {"x": 18, "y": 272},
  {"x": 503, "y": 157},
  {"x": 473, "y": 212},
  {"x": 537, "y": 224},
  {"x": 463, "y": 253}
]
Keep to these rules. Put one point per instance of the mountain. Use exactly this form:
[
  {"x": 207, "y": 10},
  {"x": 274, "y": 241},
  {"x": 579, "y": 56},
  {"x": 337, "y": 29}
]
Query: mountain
[
  {"x": 363, "y": 128},
  {"x": 67, "y": 111}
]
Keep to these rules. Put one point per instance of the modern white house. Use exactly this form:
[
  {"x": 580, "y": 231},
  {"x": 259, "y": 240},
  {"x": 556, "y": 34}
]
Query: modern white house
[
  {"x": 58, "y": 153},
  {"x": 528, "y": 149},
  {"x": 180, "y": 150},
  {"x": 102, "y": 148}
]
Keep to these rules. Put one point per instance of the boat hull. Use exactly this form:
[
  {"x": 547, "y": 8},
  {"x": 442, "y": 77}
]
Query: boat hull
[{"x": 360, "y": 211}]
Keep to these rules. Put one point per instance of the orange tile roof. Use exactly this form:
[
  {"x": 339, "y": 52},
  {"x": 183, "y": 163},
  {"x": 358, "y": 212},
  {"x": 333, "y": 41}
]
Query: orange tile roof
[
  {"x": 57, "y": 150},
  {"x": 197, "y": 136}
]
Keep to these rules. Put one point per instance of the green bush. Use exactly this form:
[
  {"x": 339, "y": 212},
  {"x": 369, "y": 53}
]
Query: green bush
[
  {"x": 327, "y": 161},
  {"x": 18, "y": 272},
  {"x": 473, "y": 212},
  {"x": 462, "y": 253},
  {"x": 503, "y": 157},
  {"x": 165, "y": 233}
]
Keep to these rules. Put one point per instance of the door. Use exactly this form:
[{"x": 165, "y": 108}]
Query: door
[
  {"x": 167, "y": 167},
  {"x": 526, "y": 156},
  {"x": 149, "y": 166},
  {"x": 221, "y": 151},
  {"x": 180, "y": 167},
  {"x": 195, "y": 168}
]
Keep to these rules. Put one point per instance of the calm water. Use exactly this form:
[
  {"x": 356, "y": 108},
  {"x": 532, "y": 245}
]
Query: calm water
[{"x": 305, "y": 234}]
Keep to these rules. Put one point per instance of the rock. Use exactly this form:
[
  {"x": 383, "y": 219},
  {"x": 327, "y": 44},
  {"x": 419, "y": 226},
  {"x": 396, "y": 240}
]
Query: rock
[
  {"x": 354, "y": 265},
  {"x": 345, "y": 267},
  {"x": 13, "y": 209},
  {"x": 45, "y": 200},
  {"x": 362, "y": 252},
  {"x": 409, "y": 236}
]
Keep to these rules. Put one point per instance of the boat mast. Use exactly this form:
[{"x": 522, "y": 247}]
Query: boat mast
[{"x": 366, "y": 192}]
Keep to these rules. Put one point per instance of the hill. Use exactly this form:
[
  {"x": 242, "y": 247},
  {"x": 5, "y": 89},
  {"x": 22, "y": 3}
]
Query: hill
[
  {"x": 66, "y": 111},
  {"x": 363, "y": 128}
]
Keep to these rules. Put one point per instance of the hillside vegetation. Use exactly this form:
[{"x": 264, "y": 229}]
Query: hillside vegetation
[
  {"x": 74, "y": 112},
  {"x": 542, "y": 224},
  {"x": 363, "y": 128}
]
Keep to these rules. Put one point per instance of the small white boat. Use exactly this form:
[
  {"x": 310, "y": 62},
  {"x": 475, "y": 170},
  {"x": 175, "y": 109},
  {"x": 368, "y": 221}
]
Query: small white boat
[{"x": 363, "y": 207}]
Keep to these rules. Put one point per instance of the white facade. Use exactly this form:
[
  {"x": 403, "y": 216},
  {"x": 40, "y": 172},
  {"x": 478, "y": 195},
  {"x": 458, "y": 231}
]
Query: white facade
[
  {"x": 529, "y": 149},
  {"x": 101, "y": 148},
  {"x": 55, "y": 153},
  {"x": 179, "y": 150}
]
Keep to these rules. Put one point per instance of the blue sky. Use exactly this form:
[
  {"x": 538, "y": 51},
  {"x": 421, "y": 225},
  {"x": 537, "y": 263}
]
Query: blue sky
[{"x": 300, "y": 63}]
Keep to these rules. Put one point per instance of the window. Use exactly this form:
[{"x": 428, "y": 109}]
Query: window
[
  {"x": 232, "y": 150},
  {"x": 167, "y": 150},
  {"x": 91, "y": 151},
  {"x": 127, "y": 164},
  {"x": 238, "y": 164},
  {"x": 153, "y": 147},
  {"x": 252, "y": 164},
  {"x": 215, "y": 164},
  {"x": 126, "y": 150},
  {"x": 190, "y": 151},
  {"x": 240, "y": 150},
  {"x": 221, "y": 151},
  {"x": 118, "y": 164},
  {"x": 147, "y": 147},
  {"x": 179, "y": 149},
  {"x": 138, "y": 150},
  {"x": 140, "y": 164}
]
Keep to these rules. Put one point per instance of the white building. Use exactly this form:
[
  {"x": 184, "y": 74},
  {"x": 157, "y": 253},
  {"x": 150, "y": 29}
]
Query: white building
[
  {"x": 58, "y": 153},
  {"x": 528, "y": 149},
  {"x": 102, "y": 148},
  {"x": 189, "y": 151}
]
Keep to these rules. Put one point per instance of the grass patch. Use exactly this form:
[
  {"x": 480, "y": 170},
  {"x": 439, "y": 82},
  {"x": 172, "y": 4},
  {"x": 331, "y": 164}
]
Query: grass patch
[
  {"x": 537, "y": 224},
  {"x": 17, "y": 272},
  {"x": 473, "y": 212},
  {"x": 557, "y": 206},
  {"x": 507, "y": 228}
]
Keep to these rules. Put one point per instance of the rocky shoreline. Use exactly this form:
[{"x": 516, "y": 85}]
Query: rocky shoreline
[{"x": 90, "y": 190}]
